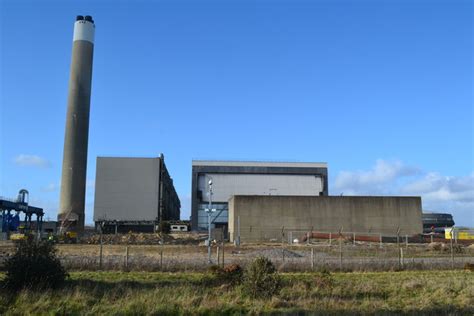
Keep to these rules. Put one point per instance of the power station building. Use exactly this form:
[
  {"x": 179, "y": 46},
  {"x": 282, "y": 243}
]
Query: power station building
[
  {"x": 250, "y": 178},
  {"x": 134, "y": 194}
]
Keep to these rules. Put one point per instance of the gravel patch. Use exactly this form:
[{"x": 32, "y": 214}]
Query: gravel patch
[{"x": 274, "y": 253}]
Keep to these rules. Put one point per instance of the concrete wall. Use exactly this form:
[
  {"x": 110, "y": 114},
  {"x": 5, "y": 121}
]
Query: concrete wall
[
  {"x": 127, "y": 190},
  {"x": 264, "y": 217}
]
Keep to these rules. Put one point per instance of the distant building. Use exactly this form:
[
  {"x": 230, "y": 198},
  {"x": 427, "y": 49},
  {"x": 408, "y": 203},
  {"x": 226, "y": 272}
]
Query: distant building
[
  {"x": 250, "y": 178},
  {"x": 134, "y": 194},
  {"x": 436, "y": 222}
]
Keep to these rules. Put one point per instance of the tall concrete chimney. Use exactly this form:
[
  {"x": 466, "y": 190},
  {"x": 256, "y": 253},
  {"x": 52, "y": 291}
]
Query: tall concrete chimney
[{"x": 73, "y": 180}]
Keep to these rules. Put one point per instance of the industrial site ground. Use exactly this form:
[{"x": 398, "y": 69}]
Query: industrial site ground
[
  {"x": 187, "y": 253},
  {"x": 138, "y": 276},
  {"x": 159, "y": 293}
]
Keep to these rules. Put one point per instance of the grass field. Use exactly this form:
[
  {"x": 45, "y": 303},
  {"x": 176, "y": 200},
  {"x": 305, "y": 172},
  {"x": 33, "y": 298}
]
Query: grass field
[{"x": 145, "y": 293}]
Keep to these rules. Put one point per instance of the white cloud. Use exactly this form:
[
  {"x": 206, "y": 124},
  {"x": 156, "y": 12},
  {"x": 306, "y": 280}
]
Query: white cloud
[
  {"x": 31, "y": 160},
  {"x": 436, "y": 187},
  {"x": 438, "y": 192},
  {"x": 374, "y": 180}
]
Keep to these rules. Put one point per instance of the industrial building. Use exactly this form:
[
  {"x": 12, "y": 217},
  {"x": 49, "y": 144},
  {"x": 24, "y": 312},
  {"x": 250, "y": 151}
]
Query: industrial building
[
  {"x": 436, "y": 222},
  {"x": 134, "y": 194},
  {"x": 267, "y": 218},
  {"x": 250, "y": 178}
]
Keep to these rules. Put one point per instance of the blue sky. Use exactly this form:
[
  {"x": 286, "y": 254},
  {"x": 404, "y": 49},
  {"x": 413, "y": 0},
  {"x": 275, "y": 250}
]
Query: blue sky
[{"x": 381, "y": 90}]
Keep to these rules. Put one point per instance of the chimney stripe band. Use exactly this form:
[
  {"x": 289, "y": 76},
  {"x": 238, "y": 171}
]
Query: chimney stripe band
[{"x": 84, "y": 31}]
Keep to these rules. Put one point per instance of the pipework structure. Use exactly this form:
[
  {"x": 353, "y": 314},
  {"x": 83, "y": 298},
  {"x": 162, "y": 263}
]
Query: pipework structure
[
  {"x": 11, "y": 222},
  {"x": 73, "y": 179}
]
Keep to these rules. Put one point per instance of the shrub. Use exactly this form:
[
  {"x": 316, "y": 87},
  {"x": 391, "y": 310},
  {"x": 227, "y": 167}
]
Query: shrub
[
  {"x": 261, "y": 279},
  {"x": 469, "y": 266},
  {"x": 34, "y": 265},
  {"x": 231, "y": 274},
  {"x": 234, "y": 273}
]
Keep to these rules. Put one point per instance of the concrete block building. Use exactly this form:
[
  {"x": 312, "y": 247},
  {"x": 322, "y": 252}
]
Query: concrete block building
[
  {"x": 260, "y": 218},
  {"x": 250, "y": 178},
  {"x": 134, "y": 194}
]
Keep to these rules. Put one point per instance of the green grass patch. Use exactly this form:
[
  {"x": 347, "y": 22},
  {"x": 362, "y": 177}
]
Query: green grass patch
[{"x": 145, "y": 293}]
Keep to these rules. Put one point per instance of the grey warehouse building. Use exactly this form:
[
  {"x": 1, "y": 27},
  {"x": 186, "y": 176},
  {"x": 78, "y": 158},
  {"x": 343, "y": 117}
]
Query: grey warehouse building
[
  {"x": 250, "y": 178},
  {"x": 134, "y": 194}
]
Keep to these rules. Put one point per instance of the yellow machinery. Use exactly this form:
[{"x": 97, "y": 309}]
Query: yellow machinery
[
  {"x": 68, "y": 237},
  {"x": 17, "y": 236},
  {"x": 459, "y": 233}
]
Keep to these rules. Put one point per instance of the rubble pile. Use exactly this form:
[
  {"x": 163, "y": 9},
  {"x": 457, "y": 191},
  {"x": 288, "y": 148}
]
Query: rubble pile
[{"x": 141, "y": 239}]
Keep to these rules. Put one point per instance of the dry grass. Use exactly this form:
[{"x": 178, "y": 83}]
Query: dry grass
[
  {"x": 193, "y": 257},
  {"x": 142, "y": 293}
]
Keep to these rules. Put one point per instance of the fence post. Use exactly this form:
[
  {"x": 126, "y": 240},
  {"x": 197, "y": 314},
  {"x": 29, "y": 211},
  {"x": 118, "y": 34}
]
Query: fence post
[
  {"x": 282, "y": 244},
  {"x": 406, "y": 242},
  {"x": 218, "y": 261},
  {"x": 126, "y": 257},
  {"x": 380, "y": 237},
  {"x": 312, "y": 258},
  {"x": 452, "y": 250},
  {"x": 238, "y": 233},
  {"x": 100, "y": 250},
  {"x": 401, "y": 258},
  {"x": 340, "y": 253},
  {"x": 398, "y": 237},
  {"x": 354, "y": 238},
  {"x": 161, "y": 253},
  {"x": 340, "y": 249},
  {"x": 223, "y": 263},
  {"x": 330, "y": 239},
  {"x": 399, "y": 249}
]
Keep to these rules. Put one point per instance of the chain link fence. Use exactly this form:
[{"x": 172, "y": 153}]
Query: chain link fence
[
  {"x": 337, "y": 254},
  {"x": 294, "y": 251}
]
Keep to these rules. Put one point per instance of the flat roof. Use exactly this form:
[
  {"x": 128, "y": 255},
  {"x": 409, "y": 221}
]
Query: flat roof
[
  {"x": 124, "y": 157},
  {"x": 235, "y": 163}
]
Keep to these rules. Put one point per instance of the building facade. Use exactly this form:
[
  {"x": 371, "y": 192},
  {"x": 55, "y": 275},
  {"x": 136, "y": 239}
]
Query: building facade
[
  {"x": 134, "y": 194},
  {"x": 249, "y": 178},
  {"x": 267, "y": 218}
]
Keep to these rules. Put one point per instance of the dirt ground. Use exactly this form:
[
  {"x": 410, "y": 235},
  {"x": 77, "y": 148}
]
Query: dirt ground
[{"x": 184, "y": 252}]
